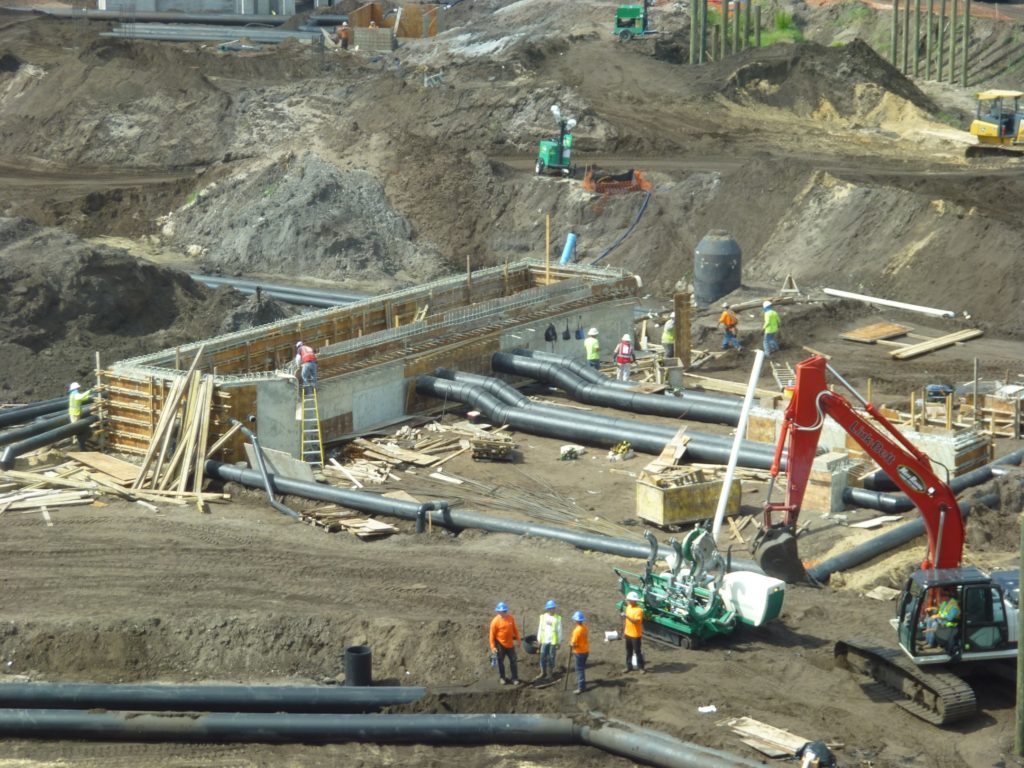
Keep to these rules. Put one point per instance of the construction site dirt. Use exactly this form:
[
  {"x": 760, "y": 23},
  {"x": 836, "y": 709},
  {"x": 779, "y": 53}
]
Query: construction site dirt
[{"x": 126, "y": 164}]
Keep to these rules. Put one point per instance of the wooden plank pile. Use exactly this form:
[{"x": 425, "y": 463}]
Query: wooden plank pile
[
  {"x": 765, "y": 738},
  {"x": 885, "y": 333},
  {"x": 334, "y": 519},
  {"x": 178, "y": 449}
]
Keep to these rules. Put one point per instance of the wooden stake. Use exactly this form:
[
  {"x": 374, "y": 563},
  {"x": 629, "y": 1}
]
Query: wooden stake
[{"x": 547, "y": 249}]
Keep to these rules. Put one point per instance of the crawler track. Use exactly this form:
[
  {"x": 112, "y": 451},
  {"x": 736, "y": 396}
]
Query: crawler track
[{"x": 939, "y": 697}]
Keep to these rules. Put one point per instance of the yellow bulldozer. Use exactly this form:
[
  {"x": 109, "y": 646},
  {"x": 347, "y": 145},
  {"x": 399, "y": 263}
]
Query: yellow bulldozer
[{"x": 998, "y": 124}]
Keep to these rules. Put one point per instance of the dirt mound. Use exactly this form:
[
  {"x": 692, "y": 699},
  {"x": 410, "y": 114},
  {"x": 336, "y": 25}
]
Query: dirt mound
[
  {"x": 62, "y": 299},
  {"x": 993, "y": 528},
  {"x": 800, "y": 78},
  {"x": 303, "y": 216}
]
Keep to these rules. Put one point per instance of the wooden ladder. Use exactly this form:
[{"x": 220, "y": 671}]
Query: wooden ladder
[{"x": 312, "y": 448}]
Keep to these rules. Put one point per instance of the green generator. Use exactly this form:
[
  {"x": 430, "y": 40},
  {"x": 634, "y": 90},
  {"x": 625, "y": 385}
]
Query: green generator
[
  {"x": 555, "y": 155},
  {"x": 632, "y": 21}
]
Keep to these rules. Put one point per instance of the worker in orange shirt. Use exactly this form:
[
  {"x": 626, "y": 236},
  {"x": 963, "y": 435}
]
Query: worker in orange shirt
[
  {"x": 634, "y": 632},
  {"x": 579, "y": 644},
  {"x": 503, "y": 636},
  {"x": 729, "y": 323}
]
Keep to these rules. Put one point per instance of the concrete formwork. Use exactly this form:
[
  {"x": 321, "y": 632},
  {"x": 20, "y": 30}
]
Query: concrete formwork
[{"x": 371, "y": 351}]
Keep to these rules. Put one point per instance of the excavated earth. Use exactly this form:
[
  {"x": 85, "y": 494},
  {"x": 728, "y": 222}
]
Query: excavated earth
[{"x": 124, "y": 165}]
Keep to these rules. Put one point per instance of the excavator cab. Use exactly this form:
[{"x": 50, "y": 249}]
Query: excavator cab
[{"x": 998, "y": 124}]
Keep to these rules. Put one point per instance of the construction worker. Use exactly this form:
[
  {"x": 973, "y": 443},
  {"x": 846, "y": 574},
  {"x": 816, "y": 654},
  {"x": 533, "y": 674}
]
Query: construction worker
[
  {"x": 634, "y": 632},
  {"x": 549, "y": 636},
  {"x": 76, "y": 399},
  {"x": 946, "y": 615},
  {"x": 305, "y": 358},
  {"x": 343, "y": 33},
  {"x": 373, "y": 25},
  {"x": 771, "y": 329},
  {"x": 579, "y": 644},
  {"x": 503, "y": 636},
  {"x": 625, "y": 356},
  {"x": 729, "y": 322},
  {"x": 593, "y": 349},
  {"x": 668, "y": 336}
]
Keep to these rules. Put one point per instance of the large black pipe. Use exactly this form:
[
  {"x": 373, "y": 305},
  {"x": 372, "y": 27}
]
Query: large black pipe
[
  {"x": 287, "y": 728},
  {"x": 642, "y": 745},
  {"x": 14, "y": 450},
  {"x": 897, "y": 537},
  {"x": 702, "y": 448},
  {"x": 38, "y": 426},
  {"x": 687, "y": 406},
  {"x": 593, "y": 376},
  {"x": 22, "y": 413},
  {"x": 206, "y": 698},
  {"x": 879, "y": 481}
]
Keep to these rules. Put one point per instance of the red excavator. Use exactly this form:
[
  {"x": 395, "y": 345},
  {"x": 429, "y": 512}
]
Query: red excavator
[{"x": 978, "y": 621}]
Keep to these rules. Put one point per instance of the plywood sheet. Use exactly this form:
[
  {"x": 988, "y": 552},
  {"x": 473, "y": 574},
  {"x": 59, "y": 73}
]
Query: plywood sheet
[
  {"x": 122, "y": 471},
  {"x": 869, "y": 334}
]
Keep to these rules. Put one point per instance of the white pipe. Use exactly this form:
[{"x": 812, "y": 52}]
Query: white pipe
[
  {"x": 737, "y": 441},
  {"x": 890, "y": 303}
]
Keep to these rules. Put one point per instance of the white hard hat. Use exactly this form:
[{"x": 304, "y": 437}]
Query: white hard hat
[
  {"x": 72, "y": 385},
  {"x": 633, "y": 596},
  {"x": 592, "y": 332},
  {"x": 673, "y": 315},
  {"x": 626, "y": 337},
  {"x": 766, "y": 304},
  {"x": 298, "y": 344},
  {"x": 725, "y": 305}
]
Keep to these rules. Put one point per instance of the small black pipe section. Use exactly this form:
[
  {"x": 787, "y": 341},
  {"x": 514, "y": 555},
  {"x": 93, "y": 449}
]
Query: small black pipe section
[
  {"x": 287, "y": 728},
  {"x": 206, "y": 698},
  {"x": 358, "y": 666},
  {"x": 268, "y": 484},
  {"x": 687, "y": 406},
  {"x": 38, "y": 426},
  {"x": 421, "y": 513},
  {"x": 14, "y": 450},
  {"x": 22, "y": 413},
  {"x": 897, "y": 537},
  {"x": 442, "y": 515},
  {"x": 595, "y": 430}
]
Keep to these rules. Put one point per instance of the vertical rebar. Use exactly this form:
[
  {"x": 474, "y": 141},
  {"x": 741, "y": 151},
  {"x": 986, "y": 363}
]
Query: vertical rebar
[
  {"x": 966, "y": 42},
  {"x": 735, "y": 26},
  {"x": 928, "y": 43},
  {"x": 703, "y": 30},
  {"x": 952, "y": 43},
  {"x": 917, "y": 38},
  {"x": 942, "y": 40},
  {"x": 746, "y": 24},
  {"x": 906, "y": 37},
  {"x": 757, "y": 27},
  {"x": 893, "y": 52},
  {"x": 723, "y": 37},
  {"x": 694, "y": 25}
]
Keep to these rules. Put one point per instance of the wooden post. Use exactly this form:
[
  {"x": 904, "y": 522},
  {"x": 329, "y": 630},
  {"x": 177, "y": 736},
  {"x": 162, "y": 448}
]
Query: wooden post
[
  {"x": 703, "y": 31},
  {"x": 757, "y": 27},
  {"x": 746, "y": 25},
  {"x": 942, "y": 39},
  {"x": 869, "y": 388},
  {"x": 906, "y": 37},
  {"x": 177, "y": 358},
  {"x": 913, "y": 411},
  {"x": 469, "y": 273},
  {"x": 976, "y": 406},
  {"x": 735, "y": 28},
  {"x": 952, "y": 43},
  {"x": 694, "y": 26},
  {"x": 681, "y": 304},
  {"x": 949, "y": 411},
  {"x": 723, "y": 35}
]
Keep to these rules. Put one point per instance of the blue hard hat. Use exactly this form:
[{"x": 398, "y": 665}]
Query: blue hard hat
[
  {"x": 550, "y": 604},
  {"x": 501, "y": 608},
  {"x": 578, "y": 616}
]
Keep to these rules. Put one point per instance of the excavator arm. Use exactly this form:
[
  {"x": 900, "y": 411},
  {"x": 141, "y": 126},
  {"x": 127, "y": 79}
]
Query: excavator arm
[{"x": 907, "y": 466}]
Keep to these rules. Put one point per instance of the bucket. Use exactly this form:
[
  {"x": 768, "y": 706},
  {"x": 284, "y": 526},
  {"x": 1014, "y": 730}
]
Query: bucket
[
  {"x": 612, "y": 635},
  {"x": 358, "y": 665},
  {"x": 530, "y": 644}
]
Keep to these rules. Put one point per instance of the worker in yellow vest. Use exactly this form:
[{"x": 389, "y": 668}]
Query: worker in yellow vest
[
  {"x": 593, "y": 349},
  {"x": 668, "y": 336},
  {"x": 76, "y": 399}
]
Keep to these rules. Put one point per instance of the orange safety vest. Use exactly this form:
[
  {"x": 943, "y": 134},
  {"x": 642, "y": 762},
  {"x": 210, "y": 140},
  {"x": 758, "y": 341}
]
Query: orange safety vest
[
  {"x": 728, "y": 319},
  {"x": 580, "y": 642},
  {"x": 503, "y": 632},
  {"x": 624, "y": 352},
  {"x": 306, "y": 354},
  {"x": 634, "y": 621}
]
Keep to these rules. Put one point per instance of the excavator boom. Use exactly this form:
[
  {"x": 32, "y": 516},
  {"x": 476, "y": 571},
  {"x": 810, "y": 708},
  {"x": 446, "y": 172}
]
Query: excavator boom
[{"x": 906, "y": 465}]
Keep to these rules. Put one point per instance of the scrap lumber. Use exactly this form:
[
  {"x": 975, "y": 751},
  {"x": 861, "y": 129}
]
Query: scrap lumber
[
  {"x": 393, "y": 453},
  {"x": 118, "y": 470},
  {"x": 368, "y": 528},
  {"x": 767, "y": 736},
  {"x": 916, "y": 350},
  {"x": 222, "y": 440},
  {"x": 869, "y": 334},
  {"x": 729, "y": 387}
]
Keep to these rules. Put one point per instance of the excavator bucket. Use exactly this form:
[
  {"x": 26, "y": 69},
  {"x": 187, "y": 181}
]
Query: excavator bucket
[{"x": 778, "y": 556}]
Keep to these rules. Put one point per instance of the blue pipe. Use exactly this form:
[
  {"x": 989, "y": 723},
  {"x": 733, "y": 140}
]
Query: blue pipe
[{"x": 570, "y": 248}]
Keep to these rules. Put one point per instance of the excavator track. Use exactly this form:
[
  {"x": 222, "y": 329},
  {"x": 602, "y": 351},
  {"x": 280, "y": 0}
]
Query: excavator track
[{"x": 938, "y": 697}]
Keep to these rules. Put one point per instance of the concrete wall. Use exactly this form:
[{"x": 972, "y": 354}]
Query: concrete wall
[
  {"x": 611, "y": 321},
  {"x": 277, "y": 406}
]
